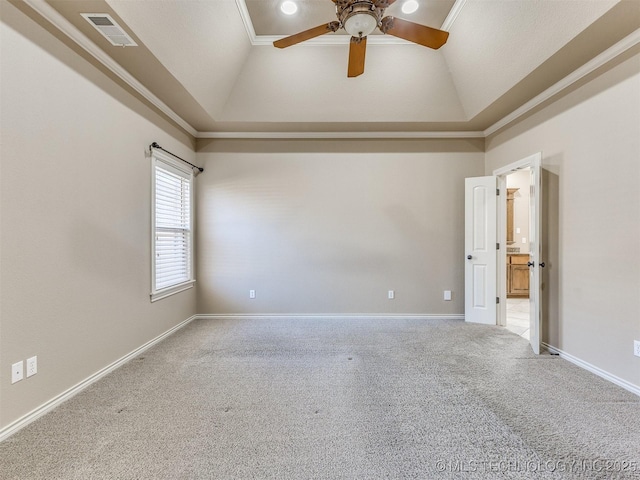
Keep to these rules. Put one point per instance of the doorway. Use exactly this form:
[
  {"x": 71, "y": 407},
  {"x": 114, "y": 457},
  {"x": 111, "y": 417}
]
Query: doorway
[
  {"x": 517, "y": 317},
  {"x": 486, "y": 259},
  {"x": 511, "y": 275}
]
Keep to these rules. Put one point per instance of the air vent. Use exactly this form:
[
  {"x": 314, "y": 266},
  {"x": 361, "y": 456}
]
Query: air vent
[{"x": 109, "y": 29}]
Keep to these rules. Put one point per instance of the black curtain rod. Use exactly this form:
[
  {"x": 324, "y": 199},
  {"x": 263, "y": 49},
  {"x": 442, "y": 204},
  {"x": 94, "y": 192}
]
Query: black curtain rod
[{"x": 155, "y": 145}]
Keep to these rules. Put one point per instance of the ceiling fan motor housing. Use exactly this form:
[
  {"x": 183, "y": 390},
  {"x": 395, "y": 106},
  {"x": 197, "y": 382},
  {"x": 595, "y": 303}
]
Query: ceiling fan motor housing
[{"x": 360, "y": 17}]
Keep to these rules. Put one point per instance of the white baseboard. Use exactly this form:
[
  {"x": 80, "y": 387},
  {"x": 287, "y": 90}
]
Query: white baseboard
[
  {"x": 593, "y": 369},
  {"x": 66, "y": 395},
  {"x": 332, "y": 316}
]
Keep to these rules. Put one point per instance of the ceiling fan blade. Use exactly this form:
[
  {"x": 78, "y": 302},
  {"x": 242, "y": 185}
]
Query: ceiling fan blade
[
  {"x": 307, "y": 35},
  {"x": 414, "y": 32},
  {"x": 357, "y": 49}
]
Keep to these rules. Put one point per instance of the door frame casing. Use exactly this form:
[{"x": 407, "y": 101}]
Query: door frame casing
[{"x": 532, "y": 161}]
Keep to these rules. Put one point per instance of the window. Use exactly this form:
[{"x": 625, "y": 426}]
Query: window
[{"x": 172, "y": 218}]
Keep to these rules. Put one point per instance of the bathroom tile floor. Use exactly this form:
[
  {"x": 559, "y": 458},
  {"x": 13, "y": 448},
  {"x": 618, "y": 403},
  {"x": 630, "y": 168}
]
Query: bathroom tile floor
[{"x": 518, "y": 316}]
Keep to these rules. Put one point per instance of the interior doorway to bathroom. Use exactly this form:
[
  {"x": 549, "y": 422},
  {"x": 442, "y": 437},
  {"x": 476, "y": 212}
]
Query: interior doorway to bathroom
[{"x": 517, "y": 318}]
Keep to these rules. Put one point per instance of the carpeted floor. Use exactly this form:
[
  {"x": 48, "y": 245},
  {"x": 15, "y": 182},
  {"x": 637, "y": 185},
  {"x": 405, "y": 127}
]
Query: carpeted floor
[{"x": 328, "y": 399}]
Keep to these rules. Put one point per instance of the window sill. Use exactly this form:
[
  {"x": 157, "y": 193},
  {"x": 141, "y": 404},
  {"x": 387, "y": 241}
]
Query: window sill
[{"x": 167, "y": 292}]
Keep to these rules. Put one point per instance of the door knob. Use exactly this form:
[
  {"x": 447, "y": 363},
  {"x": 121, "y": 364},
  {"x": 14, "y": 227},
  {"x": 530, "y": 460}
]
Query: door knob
[
  {"x": 531, "y": 264},
  {"x": 469, "y": 257},
  {"x": 541, "y": 264}
]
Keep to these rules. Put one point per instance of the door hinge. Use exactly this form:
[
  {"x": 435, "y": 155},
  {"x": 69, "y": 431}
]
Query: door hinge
[
  {"x": 497, "y": 246},
  {"x": 498, "y": 192},
  {"x": 497, "y": 299}
]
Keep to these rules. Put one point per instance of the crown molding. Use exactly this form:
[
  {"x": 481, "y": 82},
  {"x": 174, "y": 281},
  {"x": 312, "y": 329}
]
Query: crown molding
[
  {"x": 246, "y": 19},
  {"x": 66, "y": 27},
  {"x": 453, "y": 14},
  {"x": 338, "y": 135},
  {"x": 605, "y": 57},
  {"x": 326, "y": 40}
]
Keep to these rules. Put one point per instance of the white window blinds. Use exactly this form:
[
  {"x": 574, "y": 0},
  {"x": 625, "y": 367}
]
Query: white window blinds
[{"x": 172, "y": 228}]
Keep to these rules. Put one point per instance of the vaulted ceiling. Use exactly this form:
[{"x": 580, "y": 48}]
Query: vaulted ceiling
[{"x": 212, "y": 62}]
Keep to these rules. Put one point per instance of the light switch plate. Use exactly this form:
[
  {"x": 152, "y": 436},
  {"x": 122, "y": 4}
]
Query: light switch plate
[{"x": 447, "y": 295}]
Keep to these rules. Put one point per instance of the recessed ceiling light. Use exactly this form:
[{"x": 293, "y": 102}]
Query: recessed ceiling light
[
  {"x": 410, "y": 6},
  {"x": 288, "y": 7}
]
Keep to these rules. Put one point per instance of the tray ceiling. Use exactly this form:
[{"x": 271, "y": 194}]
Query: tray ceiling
[{"x": 212, "y": 63}]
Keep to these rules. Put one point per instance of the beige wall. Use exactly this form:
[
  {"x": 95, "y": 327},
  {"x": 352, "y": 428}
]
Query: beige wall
[
  {"x": 590, "y": 141},
  {"x": 330, "y": 227},
  {"x": 75, "y": 218}
]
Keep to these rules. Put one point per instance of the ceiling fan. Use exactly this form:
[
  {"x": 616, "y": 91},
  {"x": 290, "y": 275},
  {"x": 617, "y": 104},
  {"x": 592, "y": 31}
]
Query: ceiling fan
[{"x": 361, "y": 17}]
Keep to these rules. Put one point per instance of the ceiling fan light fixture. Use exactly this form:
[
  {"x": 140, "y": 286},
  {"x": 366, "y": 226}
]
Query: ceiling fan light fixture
[
  {"x": 410, "y": 6},
  {"x": 360, "y": 24},
  {"x": 288, "y": 7}
]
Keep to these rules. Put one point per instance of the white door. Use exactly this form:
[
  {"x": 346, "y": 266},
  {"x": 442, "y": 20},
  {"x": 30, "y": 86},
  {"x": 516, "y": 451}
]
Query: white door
[
  {"x": 535, "y": 255},
  {"x": 480, "y": 250}
]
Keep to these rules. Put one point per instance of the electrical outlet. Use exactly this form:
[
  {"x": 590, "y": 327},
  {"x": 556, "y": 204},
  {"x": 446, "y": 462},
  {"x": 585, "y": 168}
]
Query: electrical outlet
[
  {"x": 447, "y": 295},
  {"x": 392, "y": 294},
  {"x": 32, "y": 366},
  {"x": 252, "y": 294},
  {"x": 636, "y": 348},
  {"x": 16, "y": 371}
]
